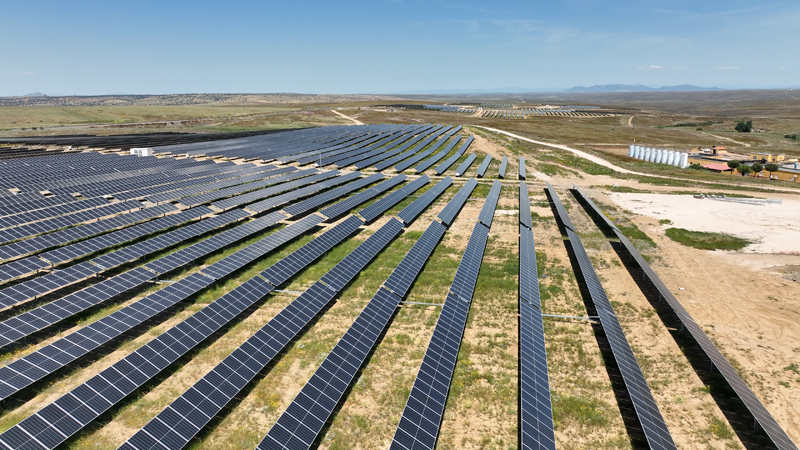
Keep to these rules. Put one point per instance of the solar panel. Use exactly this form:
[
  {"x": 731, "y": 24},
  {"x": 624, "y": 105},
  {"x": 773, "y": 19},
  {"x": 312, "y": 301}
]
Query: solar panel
[
  {"x": 333, "y": 194},
  {"x": 349, "y": 203},
  {"x": 376, "y": 209},
  {"x": 176, "y": 341},
  {"x": 766, "y": 421},
  {"x": 503, "y": 166},
  {"x": 50, "y": 240},
  {"x": 391, "y": 161},
  {"x": 422, "y": 415},
  {"x": 296, "y": 194},
  {"x": 524, "y": 206},
  {"x": 303, "y": 420},
  {"x": 535, "y": 408},
  {"x": 420, "y": 156},
  {"x": 246, "y": 188},
  {"x": 401, "y": 279},
  {"x": 194, "y": 409},
  {"x": 436, "y": 130},
  {"x": 451, "y": 160},
  {"x": 521, "y": 168},
  {"x": 20, "y": 268},
  {"x": 652, "y": 422},
  {"x": 484, "y": 166},
  {"x": 412, "y": 211},
  {"x": 449, "y": 213},
  {"x": 487, "y": 211},
  {"x": 464, "y": 166},
  {"x": 290, "y": 265},
  {"x": 562, "y": 212},
  {"x": 83, "y": 248},
  {"x": 424, "y": 165},
  {"x": 252, "y": 196}
]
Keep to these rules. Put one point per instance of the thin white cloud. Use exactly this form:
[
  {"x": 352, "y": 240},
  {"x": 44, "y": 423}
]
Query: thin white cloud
[
  {"x": 26, "y": 74},
  {"x": 727, "y": 68},
  {"x": 650, "y": 68},
  {"x": 783, "y": 68}
]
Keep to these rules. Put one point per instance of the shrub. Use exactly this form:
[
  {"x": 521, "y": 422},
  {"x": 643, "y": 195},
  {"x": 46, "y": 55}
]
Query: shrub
[{"x": 744, "y": 127}]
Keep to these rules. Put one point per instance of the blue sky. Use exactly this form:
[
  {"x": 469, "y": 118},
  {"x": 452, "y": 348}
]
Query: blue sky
[{"x": 381, "y": 46}]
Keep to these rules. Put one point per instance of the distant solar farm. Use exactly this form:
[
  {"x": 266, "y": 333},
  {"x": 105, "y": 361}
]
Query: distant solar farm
[
  {"x": 513, "y": 111},
  {"x": 118, "y": 271}
]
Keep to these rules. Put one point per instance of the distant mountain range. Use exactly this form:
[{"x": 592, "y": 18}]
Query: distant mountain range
[
  {"x": 639, "y": 88},
  {"x": 35, "y": 94}
]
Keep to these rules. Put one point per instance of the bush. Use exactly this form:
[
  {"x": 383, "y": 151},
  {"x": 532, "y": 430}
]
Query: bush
[
  {"x": 794, "y": 137},
  {"x": 696, "y": 166},
  {"x": 744, "y": 127}
]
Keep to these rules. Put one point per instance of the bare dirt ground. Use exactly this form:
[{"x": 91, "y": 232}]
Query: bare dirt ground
[
  {"x": 355, "y": 122},
  {"x": 773, "y": 227}
]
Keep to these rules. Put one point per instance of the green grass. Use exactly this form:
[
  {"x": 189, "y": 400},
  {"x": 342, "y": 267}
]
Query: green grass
[
  {"x": 633, "y": 232},
  {"x": 705, "y": 240}
]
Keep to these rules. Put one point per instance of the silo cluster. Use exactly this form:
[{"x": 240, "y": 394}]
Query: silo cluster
[{"x": 659, "y": 155}]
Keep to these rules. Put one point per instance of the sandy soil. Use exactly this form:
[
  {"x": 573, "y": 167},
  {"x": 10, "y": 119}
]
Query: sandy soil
[
  {"x": 355, "y": 122},
  {"x": 773, "y": 227}
]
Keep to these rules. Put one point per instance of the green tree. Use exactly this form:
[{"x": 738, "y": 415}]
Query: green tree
[
  {"x": 757, "y": 168},
  {"x": 744, "y": 127},
  {"x": 744, "y": 169},
  {"x": 733, "y": 164},
  {"x": 771, "y": 167}
]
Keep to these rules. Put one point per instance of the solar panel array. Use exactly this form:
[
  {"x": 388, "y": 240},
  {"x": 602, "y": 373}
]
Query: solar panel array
[
  {"x": 419, "y": 424},
  {"x": 304, "y": 418},
  {"x": 57, "y": 421},
  {"x": 424, "y": 165},
  {"x": 376, "y": 209},
  {"x": 349, "y": 203},
  {"x": 333, "y": 194},
  {"x": 296, "y": 194},
  {"x": 652, "y": 422},
  {"x": 25, "y": 324},
  {"x": 383, "y": 164},
  {"x": 176, "y": 425},
  {"x": 412, "y": 211},
  {"x": 522, "y": 168},
  {"x": 536, "y": 428},
  {"x": 452, "y": 159},
  {"x": 762, "y": 416}
]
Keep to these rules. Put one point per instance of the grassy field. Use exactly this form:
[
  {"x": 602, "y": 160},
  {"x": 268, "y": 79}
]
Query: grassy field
[{"x": 705, "y": 240}]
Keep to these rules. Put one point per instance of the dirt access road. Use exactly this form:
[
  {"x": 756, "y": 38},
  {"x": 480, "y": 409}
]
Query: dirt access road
[{"x": 355, "y": 122}]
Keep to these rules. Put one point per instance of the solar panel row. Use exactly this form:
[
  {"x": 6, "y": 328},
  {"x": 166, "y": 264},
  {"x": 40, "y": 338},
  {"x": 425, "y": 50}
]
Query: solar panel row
[
  {"x": 25, "y": 371},
  {"x": 304, "y": 418},
  {"x": 176, "y": 425},
  {"x": 765, "y": 420},
  {"x": 44, "y": 316},
  {"x": 503, "y": 166},
  {"x": 36, "y": 228},
  {"x": 349, "y": 203},
  {"x": 536, "y": 428},
  {"x": 522, "y": 168},
  {"x": 361, "y": 156},
  {"x": 451, "y": 160},
  {"x": 484, "y": 166},
  {"x": 39, "y": 243},
  {"x": 383, "y": 164},
  {"x": 422, "y": 415},
  {"x": 424, "y": 165},
  {"x": 652, "y": 422},
  {"x": 245, "y": 190},
  {"x": 268, "y": 171},
  {"x": 418, "y": 157},
  {"x": 412, "y": 211},
  {"x": 430, "y": 133},
  {"x": 53, "y": 211},
  {"x": 449, "y": 213},
  {"x": 376, "y": 209},
  {"x": 296, "y": 194},
  {"x": 464, "y": 166},
  {"x": 321, "y": 199},
  {"x": 253, "y": 196}
]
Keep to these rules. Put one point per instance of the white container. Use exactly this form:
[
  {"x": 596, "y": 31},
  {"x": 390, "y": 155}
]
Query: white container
[
  {"x": 671, "y": 158},
  {"x": 630, "y": 151},
  {"x": 684, "y": 160},
  {"x": 650, "y": 154},
  {"x": 659, "y": 156},
  {"x": 143, "y": 151},
  {"x": 637, "y": 152}
]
